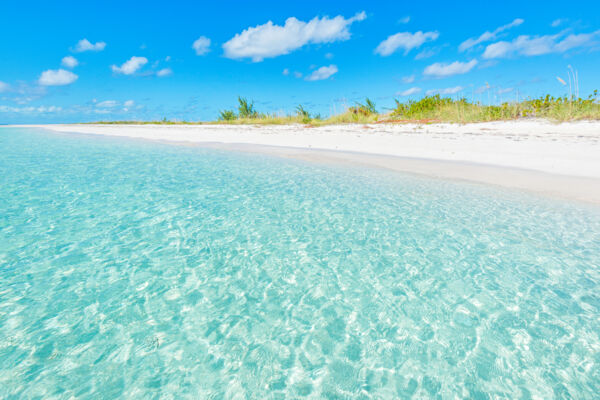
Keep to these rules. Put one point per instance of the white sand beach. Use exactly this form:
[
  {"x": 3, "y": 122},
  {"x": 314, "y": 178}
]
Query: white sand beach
[{"x": 554, "y": 159}]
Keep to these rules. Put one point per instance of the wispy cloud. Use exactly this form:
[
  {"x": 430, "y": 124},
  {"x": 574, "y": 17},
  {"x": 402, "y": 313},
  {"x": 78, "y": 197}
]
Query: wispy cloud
[
  {"x": 404, "y": 40},
  {"x": 69, "y": 62},
  {"x": 538, "y": 45},
  {"x": 557, "y": 22},
  {"x": 130, "y": 66},
  {"x": 164, "y": 72},
  {"x": 201, "y": 45},
  {"x": 409, "y": 92},
  {"x": 30, "y": 110},
  {"x": 450, "y": 90},
  {"x": 107, "y": 104},
  {"x": 488, "y": 36},
  {"x": 57, "y": 77},
  {"x": 270, "y": 40},
  {"x": 427, "y": 53},
  {"x": 4, "y": 87},
  {"x": 86, "y": 45},
  {"x": 25, "y": 92},
  {"x": 286, "y": 71},
  {"x": 404, "y": 20},
  {"x": 441, "y": 70},
  {"x": 322, "y": 73},
  {"x": 408, "y": 79}
]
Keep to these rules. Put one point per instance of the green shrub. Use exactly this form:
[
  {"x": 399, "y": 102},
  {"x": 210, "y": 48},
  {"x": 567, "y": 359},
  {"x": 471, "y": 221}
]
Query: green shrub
[
  {"x": 246, "y": 109},
  {"x": 227, "y": 115}
]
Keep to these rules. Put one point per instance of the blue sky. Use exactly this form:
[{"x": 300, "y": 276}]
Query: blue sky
[{"x": 183, "y": 60}]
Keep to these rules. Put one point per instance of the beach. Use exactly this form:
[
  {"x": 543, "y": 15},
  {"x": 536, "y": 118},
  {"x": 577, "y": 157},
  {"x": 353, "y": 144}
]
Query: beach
[
  {"x": 561, "y": 160},
  {"x": 228, "y": 269}
]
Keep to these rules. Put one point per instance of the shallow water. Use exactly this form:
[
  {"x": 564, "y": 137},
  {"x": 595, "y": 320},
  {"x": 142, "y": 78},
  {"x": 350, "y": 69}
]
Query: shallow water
[{"x": 143, "y": 270}]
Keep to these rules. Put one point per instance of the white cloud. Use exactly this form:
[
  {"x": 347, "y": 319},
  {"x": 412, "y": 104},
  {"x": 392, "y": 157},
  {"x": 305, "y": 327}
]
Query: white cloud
[
  {"x": 322, "y": 73},
  {"x": 404, "y": 40},
  {"x": 505, "y": 90},
  {"x": 286, "y": 72},
  {"x": 270, "y": 40},
  {"x": 487, "y": 36},
  {"x": 408, "y": 79},
  {"x": 201, "y": 45},
  {"x": 4, "y": 87},
  {"x": 411, "y": 91},
  {"x": 404, "y": 20},
  {"x": 26, "y": 93},
  {"x": 30, "y": 110},
  {"x": 130, "y": 66},
  {"x": 164, "y": 72},
  {"x": 450, "y": 90},
  {"x": 441, "y": 70},
  {"x": 129, "y": 103},
  {"x": 329, "y": 56},
  {"x": 427, "y": 53},
  {"x": 57, "y": 77},
  {"x": 69, "y": 62},
  {"x": 107, "y": 104},
  {"x": 557, "y": 22},
  {"x": 86, "y": 45},
  {"x": 539, "y": 45},
  {"x": 297, "y": 74}
]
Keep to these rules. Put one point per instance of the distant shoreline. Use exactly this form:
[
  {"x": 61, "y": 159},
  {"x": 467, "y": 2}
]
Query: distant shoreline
[{"x": 557, "y": 160}]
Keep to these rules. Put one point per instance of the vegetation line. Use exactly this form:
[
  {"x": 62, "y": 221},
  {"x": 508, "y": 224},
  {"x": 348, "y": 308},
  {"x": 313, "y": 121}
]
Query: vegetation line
[{"x": 426, "y": 110}]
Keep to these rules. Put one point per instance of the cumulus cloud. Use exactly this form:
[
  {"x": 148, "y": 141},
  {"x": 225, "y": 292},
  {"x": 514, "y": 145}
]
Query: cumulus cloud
[
  {"x": 538, "y": 45},
  {"x": 69, "y": 62},
  {"x": 404, "y": 40},
  {"x": 450, "y": 90},
  {"x": 130, "y": 66},
  {"x": 441, "y": 70},
  {"x": 4, "y": 87},
  {"x": 322, "y": 73},
  {"x": 270, "y": 40},
  {"x": 164, "y": 72},
  {"x": 409, "y": 92},
  {"x": 488, "y": 36},
  {"x": 57, "y": 77},
  {"x": 201, "y": 45},
  {"x": 86, "y": 45}
]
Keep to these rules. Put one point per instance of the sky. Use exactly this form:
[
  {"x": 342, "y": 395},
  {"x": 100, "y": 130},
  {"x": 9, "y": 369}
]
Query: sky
[{"x": 81, "y": 61}]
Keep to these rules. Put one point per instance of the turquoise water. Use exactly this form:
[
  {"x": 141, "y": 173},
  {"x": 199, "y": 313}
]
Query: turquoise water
[{"x": 140, "y": 270}]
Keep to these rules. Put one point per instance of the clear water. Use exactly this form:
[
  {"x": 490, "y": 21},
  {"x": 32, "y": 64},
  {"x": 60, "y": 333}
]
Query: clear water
[{"x": 140, "y": 270}]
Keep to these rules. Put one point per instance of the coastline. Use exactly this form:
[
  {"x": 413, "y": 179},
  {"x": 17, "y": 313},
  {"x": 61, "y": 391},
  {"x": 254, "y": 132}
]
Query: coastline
[{"x": 556, "y": 160}]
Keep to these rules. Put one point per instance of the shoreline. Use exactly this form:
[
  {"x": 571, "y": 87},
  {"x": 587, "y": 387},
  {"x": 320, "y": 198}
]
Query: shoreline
[{"x": 554, "y": 160}]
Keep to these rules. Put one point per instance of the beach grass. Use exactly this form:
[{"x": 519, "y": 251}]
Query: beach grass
[{"x": 429, "y": 109}]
